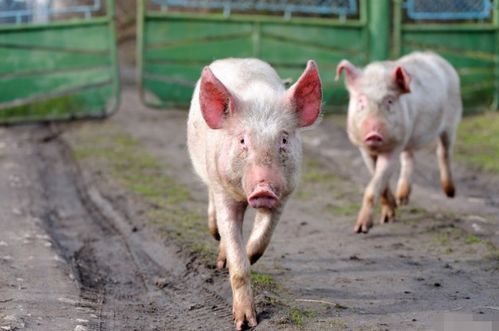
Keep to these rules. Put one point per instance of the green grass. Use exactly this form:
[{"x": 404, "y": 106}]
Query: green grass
[
  {"x": 263, "y": 282},
  {"x": 478, "y": 141},
  {"x": 471, "y": 239},
  {"x": 344, "y": 209},
  {"x": 455, "y": 240},
  {"x": 315, "y": 173},
  {"x": 299, "y": 316}
]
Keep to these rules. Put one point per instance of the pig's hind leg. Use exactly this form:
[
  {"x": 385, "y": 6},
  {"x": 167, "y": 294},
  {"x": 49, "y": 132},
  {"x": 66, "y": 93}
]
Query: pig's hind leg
[
  {"x": 213, "y": 228},
  {"x": 388, "y": 206},
  {"x": 444, "y": 148},
  {"x": 212, "y": 217},
  {"x": 404, "y": 182},
  {"x": 263, "y": 227}
]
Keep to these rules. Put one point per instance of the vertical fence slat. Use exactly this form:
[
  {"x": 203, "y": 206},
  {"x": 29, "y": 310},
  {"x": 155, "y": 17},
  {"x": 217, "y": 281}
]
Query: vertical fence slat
[
  {"x": 379, "y": 29},
  {"x": 495, "y": 104},
  {"x": 397, "y": 29}
]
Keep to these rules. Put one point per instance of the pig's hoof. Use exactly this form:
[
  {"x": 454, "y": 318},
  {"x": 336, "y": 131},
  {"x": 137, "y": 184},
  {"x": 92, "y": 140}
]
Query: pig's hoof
[
  {"x": 403, "y": 193},
  {"x": 222, "y": 257},
  {"x": 244, "y": 314},
  {"x": 387, "y": 215},
  {"x": 402, "y": 201},
  {"x": 362, "y": 227},
  {"x": 214, "y": 233},
  {"x": 254, "y": 257},
  {"x": 221, "y": 264},
  {"x": 449, "y": 189}
]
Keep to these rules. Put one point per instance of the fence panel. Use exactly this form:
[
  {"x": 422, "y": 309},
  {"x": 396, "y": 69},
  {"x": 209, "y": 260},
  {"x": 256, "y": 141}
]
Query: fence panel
[
  {"x": 178, "y": 38},
  {"x": 58, "y": 60},
  {"x": 464, "y": 32}
]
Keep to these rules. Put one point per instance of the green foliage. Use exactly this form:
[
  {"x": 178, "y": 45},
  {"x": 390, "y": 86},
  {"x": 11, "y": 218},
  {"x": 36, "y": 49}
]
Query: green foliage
[
  {"x": 471, "y": 239},
  {"x": 478, "y": 141},
  {"x": 263, "y": 282},
  {"x": 299, "y": 316}
]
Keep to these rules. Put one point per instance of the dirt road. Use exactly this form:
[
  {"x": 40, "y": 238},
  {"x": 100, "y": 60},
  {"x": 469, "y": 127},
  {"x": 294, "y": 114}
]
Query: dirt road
[{"x": 103, "y": 228}]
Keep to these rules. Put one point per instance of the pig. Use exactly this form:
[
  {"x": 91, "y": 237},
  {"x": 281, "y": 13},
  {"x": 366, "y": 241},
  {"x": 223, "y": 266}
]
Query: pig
[
  {"x": 395, "y": 108},
  {"x": 243, "y": 137}
]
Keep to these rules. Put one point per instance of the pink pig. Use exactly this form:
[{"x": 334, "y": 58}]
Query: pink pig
[
  {"x": 243, "y": 139},
  {"x": 395, "y": 108}
]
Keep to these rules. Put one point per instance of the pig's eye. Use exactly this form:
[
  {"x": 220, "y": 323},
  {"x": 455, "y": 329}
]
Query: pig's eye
[
  {"x": 242, "y": 141},
  {"x": 389, "y": 101},
  {"x": 284, "y": 140}
]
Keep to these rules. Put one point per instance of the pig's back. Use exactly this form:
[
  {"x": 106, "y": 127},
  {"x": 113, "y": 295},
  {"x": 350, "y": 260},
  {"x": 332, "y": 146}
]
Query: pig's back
[{"x": 434, "y": 101}]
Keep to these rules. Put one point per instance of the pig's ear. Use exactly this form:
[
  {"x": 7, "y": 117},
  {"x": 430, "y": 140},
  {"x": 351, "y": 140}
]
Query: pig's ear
[
  {"x": 351, "y": 72},
  {"x": 402, "y": 79},
  {"x": 306, "y": 95},
  {"x": 214, "y": 98}
]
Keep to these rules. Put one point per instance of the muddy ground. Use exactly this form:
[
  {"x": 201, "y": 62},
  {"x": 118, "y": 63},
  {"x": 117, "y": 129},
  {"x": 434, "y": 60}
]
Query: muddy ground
[{"x": 103, "y": 228}]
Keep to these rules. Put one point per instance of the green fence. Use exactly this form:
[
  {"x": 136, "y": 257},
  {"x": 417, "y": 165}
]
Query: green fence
[
  {"x": 174, "y": 46},
  {"x": 469, "y": 42},
  {"x": 178, "y": 38},
  {"x": 57, "y": 63}
]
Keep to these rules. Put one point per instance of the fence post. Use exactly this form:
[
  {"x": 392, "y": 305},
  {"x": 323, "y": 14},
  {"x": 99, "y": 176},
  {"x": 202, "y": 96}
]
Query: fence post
[
  {"x": 397, "y": 29},
  {"x": 379, "y": 29}
]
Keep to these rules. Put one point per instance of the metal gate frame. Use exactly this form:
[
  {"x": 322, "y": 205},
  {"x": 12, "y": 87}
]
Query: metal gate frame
[
  {"x": 263, "y": 34},
  {"x": 473, "y": 48},
  {"x": 380, "y": 27},
  {"x": 35, "y": 86}
]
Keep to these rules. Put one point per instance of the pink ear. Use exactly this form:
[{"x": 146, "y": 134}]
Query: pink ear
[
  {"x": 402, "y": 79},
  {"x": 214, "y": 99},
  {"x": 306, "y": 95},
  {"x": 351, "y": 72}
]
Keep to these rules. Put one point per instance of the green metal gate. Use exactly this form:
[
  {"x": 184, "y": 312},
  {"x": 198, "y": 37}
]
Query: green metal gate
[
  {"x": 57, "y": 60},
  {"x": 178, "y": 38},
  {"x": 465, "y": 32}
]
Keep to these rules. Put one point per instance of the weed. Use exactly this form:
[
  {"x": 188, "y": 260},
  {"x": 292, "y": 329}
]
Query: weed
[
  {"x": 478, "y": 141},
  {"x": 299, "y": 316},
  {"x": 263, "y": 282},
  {"x": 471, "y": 239}
]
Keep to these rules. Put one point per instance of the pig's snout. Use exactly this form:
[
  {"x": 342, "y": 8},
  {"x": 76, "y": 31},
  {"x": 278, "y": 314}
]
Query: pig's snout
[
  {"x": 263, "y": 196},
  {"x": 373, "y": 139}
]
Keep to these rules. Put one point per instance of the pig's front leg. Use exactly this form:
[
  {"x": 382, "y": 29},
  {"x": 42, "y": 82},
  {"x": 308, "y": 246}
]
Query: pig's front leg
[
  {"x": 265, "y": 223},
  {"x": 388, "y": 204},
  {"x": 230, "y": 215},
  {"x": 378, "y": 183}
]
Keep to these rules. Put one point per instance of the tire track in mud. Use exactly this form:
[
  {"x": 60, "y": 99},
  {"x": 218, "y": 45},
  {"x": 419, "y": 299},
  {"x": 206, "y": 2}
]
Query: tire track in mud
[{"x": 115, "y": 263}]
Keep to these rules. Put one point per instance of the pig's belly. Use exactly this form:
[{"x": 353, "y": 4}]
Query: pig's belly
[{"x": 421, "y": 139}]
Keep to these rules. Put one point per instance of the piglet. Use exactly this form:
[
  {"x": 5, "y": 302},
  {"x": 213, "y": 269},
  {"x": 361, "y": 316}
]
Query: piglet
[
  {"x": 244, "y": 143},
  {"x": 395, "y": 108}
]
